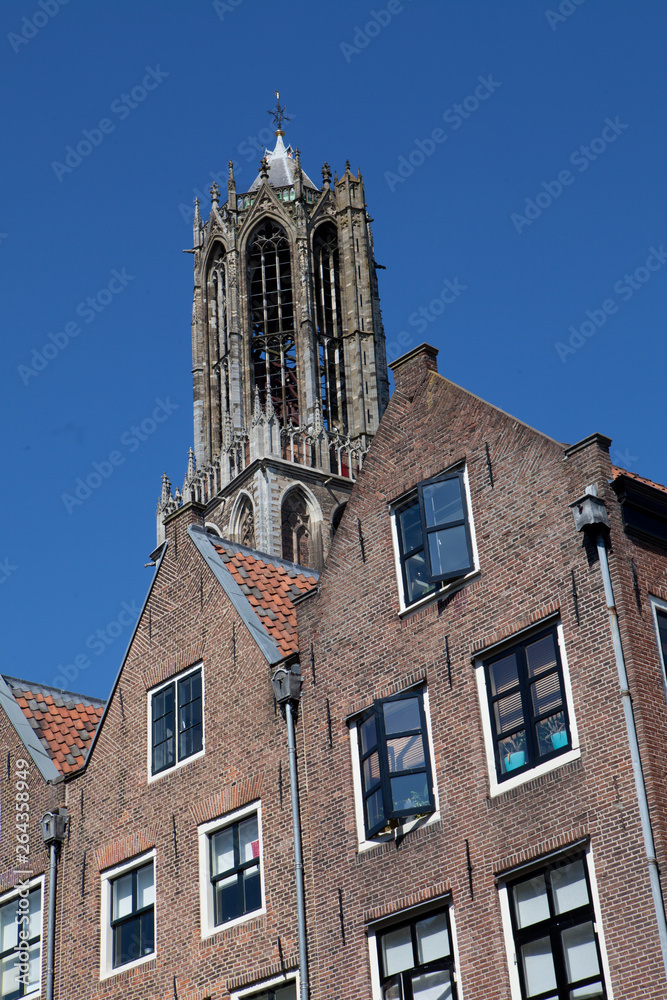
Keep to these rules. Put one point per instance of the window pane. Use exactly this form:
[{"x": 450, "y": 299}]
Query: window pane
[
  {"x": 546, "y": 694},
  {"x": 35, "y": 924},
  {"x": 432, "y": 938},
  {"x": 397, "y": 951},
  {"x": 433, "y": 986},
  {"x": 34, "y": 964},
  {"x": 127, "y": 942},
  {"x": 508, "y": 712},
  {"x": 581, "y": 956},
  {"x": 401, "y": 716},
  {"x": 541, "y": 655},
  {"x": 409, "y": 793},
  {"x": 145, "y": 887},
  {"x": 448, "y": 550},
  {"x": 9, "y": 976},
  {"x": 662, "y": 632},
  {"x": 503, "y": 674},
  {"x": 122, "y": 896},
  {"x": 405, "y": 752},
  {"x": 8, "y": 927},
  {"x": 410, "y": 527},
  {"x": 252, "y": 890},
  {"x": 227, "y": 899},
  {"x": 591, "y": 992},
  {"x": 531, "y": 902},
  {"x": 248, "y": 839},
  {"x": 552, "y": 733},
  {"x": 569, "y": 887},
  {"x": 512, "y": 751},
  {"x": 147, "y": 933},
  {"x": 538, "y": 966},
  {"x": 286, "y": 992},
  {"x": 375, "y": 810},
  {"x": 371, "y": 771},
  {"x": 368, "y": 734},
  {"x": 442, "y": 502},
  {"x": 415, "y": 574},
  {"x": 223, "y": 850}
]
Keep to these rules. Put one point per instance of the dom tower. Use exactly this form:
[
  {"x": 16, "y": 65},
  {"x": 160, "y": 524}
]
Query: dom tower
[{"x": 288, "y": 350}]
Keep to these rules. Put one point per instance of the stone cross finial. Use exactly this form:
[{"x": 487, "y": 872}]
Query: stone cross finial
[
  {"x": 215, "y": 194},
  {"x": 326, "y": 173},
  {"x": 347, "y": 166}
]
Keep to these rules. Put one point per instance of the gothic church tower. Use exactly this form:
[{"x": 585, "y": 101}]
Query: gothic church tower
[{"x": 289, "y": 364}]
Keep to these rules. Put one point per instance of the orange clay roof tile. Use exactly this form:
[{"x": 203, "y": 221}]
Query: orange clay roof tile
[
  {"x": 617, "y": 472},
  {"x": 271, "y": 589}
]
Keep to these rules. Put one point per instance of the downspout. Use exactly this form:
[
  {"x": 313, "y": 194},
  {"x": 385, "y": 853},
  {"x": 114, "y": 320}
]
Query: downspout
[
  {"x": 590, "y": 515},
  {"x": 54, "y": 825},
  {"x": 287, "y": 689}
]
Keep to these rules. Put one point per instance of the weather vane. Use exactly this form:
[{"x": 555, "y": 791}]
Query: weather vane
[{"x": 278, "y": 113}]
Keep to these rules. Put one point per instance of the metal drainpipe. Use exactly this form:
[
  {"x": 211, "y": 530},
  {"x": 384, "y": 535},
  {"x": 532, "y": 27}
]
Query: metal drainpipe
[
  {"x": 654, "y": 871},
  {"x": 54, "y": 825},
  {"x": 287, "y": 689},
  {"x": 589, "y": 515}
]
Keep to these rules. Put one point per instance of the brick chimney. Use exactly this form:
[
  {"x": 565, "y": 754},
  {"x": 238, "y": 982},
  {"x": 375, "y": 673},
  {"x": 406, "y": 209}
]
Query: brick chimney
[{"x": 412, "y": 368}]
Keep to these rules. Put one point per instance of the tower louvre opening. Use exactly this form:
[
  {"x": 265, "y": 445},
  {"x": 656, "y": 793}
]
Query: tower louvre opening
[{"x": 329, "y": 311}]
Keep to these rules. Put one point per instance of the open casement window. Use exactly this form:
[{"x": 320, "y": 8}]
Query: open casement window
[
  {"x": 555, "y": 934},
  {"x": 133, "y": 915},
  {"x": 395, "y": 763},
  {"x": 416, "y": 959},
  {"x": 434, "y": 535},
  {"x": 529, "y": 716},
  {"x": 176, "y": 721}
]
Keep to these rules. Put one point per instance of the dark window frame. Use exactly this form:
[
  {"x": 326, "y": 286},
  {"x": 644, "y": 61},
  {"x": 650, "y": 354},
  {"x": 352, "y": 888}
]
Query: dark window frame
[
  {"x": 415, "y": 499},
  {"x": 136, "y": 915},
  {"x": 530, "y": 718},
  {"x": 382, "y": 784},
  {"x": 238, "y": 868},
  {"x": 403, "y": 979},
  {"x": 23, "y": 988},
  {"x": 553, "y": 926},
  {"x": 180, "y": 725},
  {"x": 660, "y": 613}
]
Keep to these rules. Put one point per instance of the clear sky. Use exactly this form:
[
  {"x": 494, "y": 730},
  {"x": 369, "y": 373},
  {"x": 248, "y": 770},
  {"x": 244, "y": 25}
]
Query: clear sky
[{"x": 513, "y": 155}]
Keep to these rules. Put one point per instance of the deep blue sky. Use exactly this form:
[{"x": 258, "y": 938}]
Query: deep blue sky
[{"x": 367, "y": 95}]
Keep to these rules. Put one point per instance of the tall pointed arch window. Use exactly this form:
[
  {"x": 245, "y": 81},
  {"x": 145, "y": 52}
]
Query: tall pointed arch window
[
  {"x": 245, "y": 523},
  {"x": 273, "y": 346},
  {"x": 218, "y": 346},
  {"x": 329, "y": 327},
  {"x": 295, "y": 523}
]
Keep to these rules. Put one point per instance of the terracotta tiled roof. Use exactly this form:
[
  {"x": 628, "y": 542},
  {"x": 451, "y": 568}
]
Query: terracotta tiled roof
[
  {"x": 64, "y": 722},
  {"x": 270, "y": 588},
  {"x": 640, "y": 479}
]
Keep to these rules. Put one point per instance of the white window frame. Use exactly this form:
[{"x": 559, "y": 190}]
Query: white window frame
[
  {"x": 363, "y": 843},
  {"x": 206, "y": 900},
  {"x": 149, "y": 723},
  {"x": 379, "y": 926},
  {"x": 248, "y": 992},
  {"x": 14, "y": 894},
  {"x": 106, "y": 931},
  {"x": 658, "y": 605},
  {"x": 500, "y": 787},
  {"x": 506, "y": 919},
  {"x": 447, "y": 586}
]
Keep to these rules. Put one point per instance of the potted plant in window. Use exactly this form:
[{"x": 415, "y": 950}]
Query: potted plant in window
[
  {"x": 514, "y": 751},
  {"x": 552, "y": 732}
]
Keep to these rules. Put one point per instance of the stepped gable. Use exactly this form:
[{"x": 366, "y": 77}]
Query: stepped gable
[
  {"x": 270, "y": 585},
  {"x": 64, "y": 722}
]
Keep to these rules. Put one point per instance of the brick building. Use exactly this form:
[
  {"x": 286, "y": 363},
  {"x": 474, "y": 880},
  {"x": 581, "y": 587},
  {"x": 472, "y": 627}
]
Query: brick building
[{"x": 479, "y": 636}]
